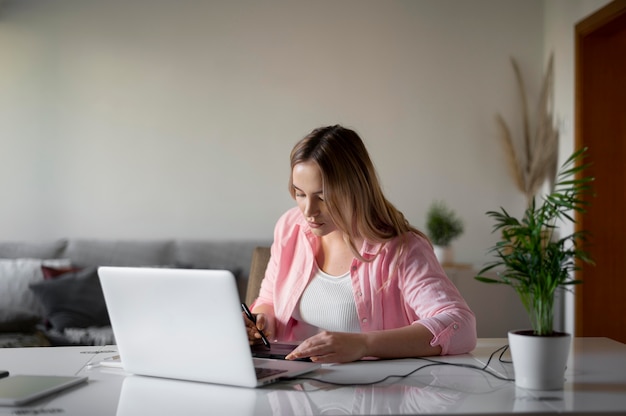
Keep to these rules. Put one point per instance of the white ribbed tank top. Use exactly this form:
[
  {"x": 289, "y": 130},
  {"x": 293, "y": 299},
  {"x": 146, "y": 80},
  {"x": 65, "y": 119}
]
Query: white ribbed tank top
[{"x": 327, "y": 303}]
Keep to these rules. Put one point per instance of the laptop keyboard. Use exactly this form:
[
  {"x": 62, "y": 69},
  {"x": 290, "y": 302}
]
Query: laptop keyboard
[{"x": 265, "y": 372}]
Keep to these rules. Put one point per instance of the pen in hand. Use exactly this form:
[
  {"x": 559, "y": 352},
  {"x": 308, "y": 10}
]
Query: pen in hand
[{"x": 253, "y": 319}]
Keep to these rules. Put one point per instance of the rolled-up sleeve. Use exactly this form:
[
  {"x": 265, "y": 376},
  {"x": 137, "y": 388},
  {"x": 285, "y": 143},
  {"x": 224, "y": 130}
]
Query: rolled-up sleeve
[{"x": 457, "y": 337}]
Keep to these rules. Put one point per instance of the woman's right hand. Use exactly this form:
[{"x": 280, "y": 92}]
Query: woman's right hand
[{"x": 264, "y": 322}]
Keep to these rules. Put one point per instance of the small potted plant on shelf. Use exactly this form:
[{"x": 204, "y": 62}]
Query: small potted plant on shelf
[
  {"x": 443, "y": 226},
  {"x": 536, "y": 262}
]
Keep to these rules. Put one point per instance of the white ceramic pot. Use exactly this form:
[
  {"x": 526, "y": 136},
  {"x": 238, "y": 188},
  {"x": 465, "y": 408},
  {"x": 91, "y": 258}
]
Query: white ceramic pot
[
  {"x": 539, "y": 361},
  {"x": 444, "y": 254}
]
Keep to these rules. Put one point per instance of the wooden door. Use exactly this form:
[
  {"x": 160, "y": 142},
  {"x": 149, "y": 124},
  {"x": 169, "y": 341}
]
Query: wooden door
[{"x": 601, "y": 126}]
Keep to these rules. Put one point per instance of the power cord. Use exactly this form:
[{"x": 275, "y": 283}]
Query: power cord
[{"x": 432, "y": 362}]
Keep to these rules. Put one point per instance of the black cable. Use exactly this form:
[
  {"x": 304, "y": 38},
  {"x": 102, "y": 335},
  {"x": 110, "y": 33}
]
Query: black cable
[
  {"x": 506, "y": 347},
  {"x": 433, "y": 363}
]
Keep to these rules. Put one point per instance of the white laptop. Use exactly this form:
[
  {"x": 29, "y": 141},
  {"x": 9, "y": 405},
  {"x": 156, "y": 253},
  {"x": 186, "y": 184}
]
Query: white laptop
[{"x": 185, "y": 324}]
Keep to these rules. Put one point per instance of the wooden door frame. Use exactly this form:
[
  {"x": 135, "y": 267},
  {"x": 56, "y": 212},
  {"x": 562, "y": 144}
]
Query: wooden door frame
[{"x": 585, "y": 28}]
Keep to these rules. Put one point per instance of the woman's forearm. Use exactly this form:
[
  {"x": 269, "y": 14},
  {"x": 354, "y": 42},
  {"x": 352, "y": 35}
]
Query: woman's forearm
[
  {"x": 341, "y": 347},
  {"x": 410, "y": 341}
]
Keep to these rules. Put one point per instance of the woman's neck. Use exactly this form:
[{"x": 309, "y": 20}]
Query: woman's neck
[{"x": 334, "y": 256}]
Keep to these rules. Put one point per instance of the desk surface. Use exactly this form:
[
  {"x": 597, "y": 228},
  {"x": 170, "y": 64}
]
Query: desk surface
[{"x": 595, "y": 383}]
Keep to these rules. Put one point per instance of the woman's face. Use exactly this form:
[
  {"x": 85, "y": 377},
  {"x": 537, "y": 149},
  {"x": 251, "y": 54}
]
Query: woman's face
[{"x": 308, "y": 189}]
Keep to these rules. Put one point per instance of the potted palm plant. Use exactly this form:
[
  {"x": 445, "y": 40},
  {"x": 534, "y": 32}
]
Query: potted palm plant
[
  {"x": 536, "y": 263},
  {"x": 443, "y": 226}
]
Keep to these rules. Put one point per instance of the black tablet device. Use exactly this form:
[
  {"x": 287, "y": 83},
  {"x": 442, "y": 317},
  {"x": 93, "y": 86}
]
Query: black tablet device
[{"x": 277, "y": 351}]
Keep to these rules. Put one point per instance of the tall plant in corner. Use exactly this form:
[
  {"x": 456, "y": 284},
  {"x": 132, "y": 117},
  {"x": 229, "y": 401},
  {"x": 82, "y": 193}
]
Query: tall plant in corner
[{"x": 535, "y": 261}]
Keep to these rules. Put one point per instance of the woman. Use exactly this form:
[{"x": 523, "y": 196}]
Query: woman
[{"x": 348, "y": 276}]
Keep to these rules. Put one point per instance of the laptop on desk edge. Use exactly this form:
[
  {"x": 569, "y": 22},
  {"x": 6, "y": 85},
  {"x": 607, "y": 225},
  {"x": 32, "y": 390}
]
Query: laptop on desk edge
[{"x": 185, "y": 324}]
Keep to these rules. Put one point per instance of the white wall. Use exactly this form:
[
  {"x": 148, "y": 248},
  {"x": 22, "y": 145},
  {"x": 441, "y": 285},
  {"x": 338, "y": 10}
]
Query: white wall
[{"x": 152, "y": 118}]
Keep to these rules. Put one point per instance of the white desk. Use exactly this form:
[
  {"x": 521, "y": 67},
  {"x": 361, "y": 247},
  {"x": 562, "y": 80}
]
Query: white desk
[{"x": 596, "y": 382}]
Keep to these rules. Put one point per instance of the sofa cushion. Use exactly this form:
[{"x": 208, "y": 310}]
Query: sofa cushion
[
  {"x": 15, "y": 277},
  {"x": 229, "y": 255},
  {"x": 119, "y": 252},
  {"x": 73, "y": 300},
  {"x": 33, "y": 250}
]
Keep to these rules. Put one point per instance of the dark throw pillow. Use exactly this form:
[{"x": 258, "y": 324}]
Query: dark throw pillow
[{"x": 73, "y": 300}]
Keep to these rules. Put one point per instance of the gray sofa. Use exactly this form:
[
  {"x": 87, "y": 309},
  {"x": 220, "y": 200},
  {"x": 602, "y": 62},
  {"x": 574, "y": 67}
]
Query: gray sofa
[{"x": 66, "y": 306}]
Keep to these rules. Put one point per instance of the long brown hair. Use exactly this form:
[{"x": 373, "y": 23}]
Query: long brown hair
[{"x": 352, "y": 191}]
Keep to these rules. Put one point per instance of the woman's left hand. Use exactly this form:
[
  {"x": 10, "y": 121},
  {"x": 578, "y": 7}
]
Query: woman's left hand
[{"x": 331, "y": 347}]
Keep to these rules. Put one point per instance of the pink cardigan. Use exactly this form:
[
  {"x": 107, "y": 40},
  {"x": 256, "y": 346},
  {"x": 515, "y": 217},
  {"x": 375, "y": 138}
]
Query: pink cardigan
[{"x": 419, "y": 291}]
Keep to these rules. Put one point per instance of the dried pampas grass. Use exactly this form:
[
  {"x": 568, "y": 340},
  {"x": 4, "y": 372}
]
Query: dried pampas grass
[{"x": 533, "y": 158}]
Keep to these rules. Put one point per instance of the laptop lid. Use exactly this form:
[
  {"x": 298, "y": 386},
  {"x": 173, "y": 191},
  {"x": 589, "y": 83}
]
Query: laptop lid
[{"x": 184, "y": 324}]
